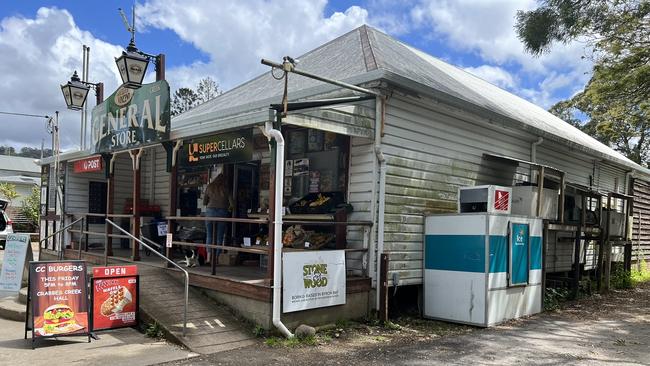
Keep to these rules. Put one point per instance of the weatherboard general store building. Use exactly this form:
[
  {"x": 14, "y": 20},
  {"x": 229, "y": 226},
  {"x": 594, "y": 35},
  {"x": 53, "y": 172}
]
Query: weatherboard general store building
[{"x": 381, "y": 162}]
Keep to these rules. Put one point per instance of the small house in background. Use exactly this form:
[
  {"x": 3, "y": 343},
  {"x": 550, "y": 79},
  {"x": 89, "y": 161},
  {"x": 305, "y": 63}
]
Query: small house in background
[{"x": 24, "y": 174}]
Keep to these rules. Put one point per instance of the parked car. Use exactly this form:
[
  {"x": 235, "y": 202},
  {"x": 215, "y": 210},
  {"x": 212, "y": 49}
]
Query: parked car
[{"x": 5, "y": 224}]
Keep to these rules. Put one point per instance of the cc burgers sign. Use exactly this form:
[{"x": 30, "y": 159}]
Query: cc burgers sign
[{"x": 132, "y": 118}]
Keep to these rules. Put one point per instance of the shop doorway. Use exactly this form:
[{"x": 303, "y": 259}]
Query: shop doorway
[{"x": 246, "y": 197}]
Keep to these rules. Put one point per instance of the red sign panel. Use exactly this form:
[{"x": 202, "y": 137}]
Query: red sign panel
[
  {"x": 93, "y": 164},
  {"x": 114, "y": 271},
  {"x": 501, "y": 199},
  {"x": 114, "y": 297},
  {"x": 58, "y": 298}
]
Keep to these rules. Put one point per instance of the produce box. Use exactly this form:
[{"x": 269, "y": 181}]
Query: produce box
[
  {"x": 227, "y": 259},
  {"x": 317, "y": 203}
]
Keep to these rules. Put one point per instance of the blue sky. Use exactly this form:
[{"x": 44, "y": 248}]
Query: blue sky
[{"x": 41, "y": 45}]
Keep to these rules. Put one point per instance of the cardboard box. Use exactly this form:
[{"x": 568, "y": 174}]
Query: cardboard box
[{"x": 227, "y": 259}]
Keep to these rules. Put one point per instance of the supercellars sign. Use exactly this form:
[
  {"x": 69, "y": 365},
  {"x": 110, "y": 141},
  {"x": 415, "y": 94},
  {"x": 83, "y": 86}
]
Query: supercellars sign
[{"x": 132, "y": 118}]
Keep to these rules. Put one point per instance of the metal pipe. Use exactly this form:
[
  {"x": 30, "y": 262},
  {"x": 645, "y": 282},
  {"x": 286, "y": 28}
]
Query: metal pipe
[
  {"x": 187, "y": 276},
  {"x": 379, "y": 110},
  {"x": 56, "y": 232},
  {"x": 291, "y": 68},
  {"x": 272, "y": 133},
  {"x": 533, "y": 154}
]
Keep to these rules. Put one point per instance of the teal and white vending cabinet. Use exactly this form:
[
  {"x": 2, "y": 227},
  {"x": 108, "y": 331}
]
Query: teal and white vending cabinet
[{"x": 482, "y": 269}]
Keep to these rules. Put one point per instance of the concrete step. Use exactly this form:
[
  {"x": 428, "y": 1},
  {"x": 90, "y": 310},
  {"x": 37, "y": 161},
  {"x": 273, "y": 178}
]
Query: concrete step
[
  {"x": 22, "y": 295},
  {"x": 11, "y": 309},
  {"x": 211, "y": 327}
]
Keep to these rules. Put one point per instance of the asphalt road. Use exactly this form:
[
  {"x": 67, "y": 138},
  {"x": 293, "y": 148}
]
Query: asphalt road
[{"x": 607, "y": 330}]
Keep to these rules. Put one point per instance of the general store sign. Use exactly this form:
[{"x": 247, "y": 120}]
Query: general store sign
[
  {"x": 88, "y": 165},
  {"x": 313, "y": 279},
  {"x": 132, "y": 118},
  {"x": 230, "y": 147}
]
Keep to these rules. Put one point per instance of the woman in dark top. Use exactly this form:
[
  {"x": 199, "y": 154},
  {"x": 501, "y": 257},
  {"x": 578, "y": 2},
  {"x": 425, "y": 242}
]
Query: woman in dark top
[{"x": 218, "y": 202}]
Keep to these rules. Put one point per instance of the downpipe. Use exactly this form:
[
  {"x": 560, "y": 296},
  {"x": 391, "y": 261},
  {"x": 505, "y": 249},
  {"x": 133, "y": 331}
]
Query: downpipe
[
  {"x": 533, "y": 154},
  {"x": 271, "y": 133},
  {"x": 381, "y": 159}
]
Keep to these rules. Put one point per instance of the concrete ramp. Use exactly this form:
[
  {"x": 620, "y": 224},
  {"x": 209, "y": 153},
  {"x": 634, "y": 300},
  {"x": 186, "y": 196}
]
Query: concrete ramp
[{"x": 210, "y": 327}]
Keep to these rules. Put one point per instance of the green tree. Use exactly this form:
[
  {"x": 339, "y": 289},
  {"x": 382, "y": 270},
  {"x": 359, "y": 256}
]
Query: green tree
[
  {"x": 617, "y": 35},
  {"x": 207, "y": 89},
  {"x": 8, "y": 191},
  {"x": 184, "y": 99},
  {"x": 31, "y": 205}
]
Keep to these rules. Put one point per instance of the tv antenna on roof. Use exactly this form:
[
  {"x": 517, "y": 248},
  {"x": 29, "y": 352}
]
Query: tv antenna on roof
[{"x": 129, "y": 27}]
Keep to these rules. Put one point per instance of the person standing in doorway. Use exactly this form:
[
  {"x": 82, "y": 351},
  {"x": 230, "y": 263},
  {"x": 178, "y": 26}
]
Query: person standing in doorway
[{"x": 218, "y": 202}]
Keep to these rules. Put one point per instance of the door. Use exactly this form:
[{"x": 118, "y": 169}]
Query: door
[
  {"x": 246, "y": 196},
  {"x": 519, "y": 261}
]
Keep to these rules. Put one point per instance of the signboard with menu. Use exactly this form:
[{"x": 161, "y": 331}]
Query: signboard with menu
[
  {"x": 57, "y": 304},
  {"x": 114, "y": 297},
  {"x": 13, "y": 263}
]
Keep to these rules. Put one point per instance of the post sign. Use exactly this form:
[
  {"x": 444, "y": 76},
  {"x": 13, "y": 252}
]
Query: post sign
[
  {"x": 313, "y": 279},
  {"x": 58, "y": 298},
  {"x": 13, "y": 263},
  {"x": 114, "y": 297},
  {"x": 93, "y": 164},
  {"x": 229, "y": 147},
  {"x": 132, "y": 118}
]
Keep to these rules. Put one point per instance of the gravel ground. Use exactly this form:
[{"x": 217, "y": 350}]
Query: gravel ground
[{"x": 599, "y": 330}]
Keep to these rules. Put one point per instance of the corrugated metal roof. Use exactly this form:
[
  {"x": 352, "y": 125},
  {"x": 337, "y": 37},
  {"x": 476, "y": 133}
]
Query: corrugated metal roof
[
  {"x": 18, "y": 164},
  {"x": 20, "y": 179},
  {"x": 346, "y": 58}
]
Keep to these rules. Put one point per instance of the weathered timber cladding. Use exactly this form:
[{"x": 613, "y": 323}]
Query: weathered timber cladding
[
  {"x": 641, "y": 228},
  {"x": 432, "y": 149}
]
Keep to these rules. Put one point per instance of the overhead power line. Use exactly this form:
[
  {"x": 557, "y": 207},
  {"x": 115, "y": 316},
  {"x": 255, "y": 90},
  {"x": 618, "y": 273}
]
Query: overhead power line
[{"x": 24, "y": 114}]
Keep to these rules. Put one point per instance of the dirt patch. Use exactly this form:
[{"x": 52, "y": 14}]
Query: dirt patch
[{"x": 601, "y": 329}]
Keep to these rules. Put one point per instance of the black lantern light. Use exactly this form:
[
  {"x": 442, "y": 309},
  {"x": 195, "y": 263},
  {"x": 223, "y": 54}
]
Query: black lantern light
[
  {"x": 75, "y": 92},
  {"x": 133, "y": 66}
]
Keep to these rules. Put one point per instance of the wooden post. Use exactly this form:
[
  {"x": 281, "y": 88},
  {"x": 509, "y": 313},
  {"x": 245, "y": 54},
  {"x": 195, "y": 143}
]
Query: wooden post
[
  {"x": 383, "y": 289},
  {"x": 135, "y": 158},
  {"x": 562, "y": 192},
  {"x": 607, "y": 255},
  {"x": 172, "y": 169},
  {"x": 160, "y": 67},
  {"x": 576, "y": 249},
  {"x": 540, "y": 191},
  {"x": 110, "y": 194}
]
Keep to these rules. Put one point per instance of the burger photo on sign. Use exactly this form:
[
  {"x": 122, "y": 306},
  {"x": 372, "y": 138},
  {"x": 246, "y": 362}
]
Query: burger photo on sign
[{"x": 59, "y": 319}]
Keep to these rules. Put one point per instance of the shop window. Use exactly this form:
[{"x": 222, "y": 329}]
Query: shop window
[{"x": 316, "y": 162}]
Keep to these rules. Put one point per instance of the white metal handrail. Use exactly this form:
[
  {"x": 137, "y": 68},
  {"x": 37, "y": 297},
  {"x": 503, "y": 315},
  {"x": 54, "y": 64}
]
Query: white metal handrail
[
  {"x": 57, "y": 232},
  {"x": 187, "y": 275}
]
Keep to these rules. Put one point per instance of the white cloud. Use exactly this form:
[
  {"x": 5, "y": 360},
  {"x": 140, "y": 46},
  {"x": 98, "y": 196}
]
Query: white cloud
[
  {"x": 38, "y": 55},
  {"x": 487, "y": 29},
  {"x": 494, "y": 74},
  {"x": 236, "y": 35}
]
